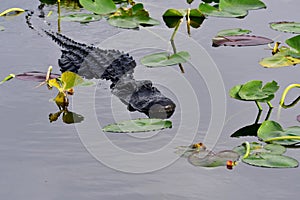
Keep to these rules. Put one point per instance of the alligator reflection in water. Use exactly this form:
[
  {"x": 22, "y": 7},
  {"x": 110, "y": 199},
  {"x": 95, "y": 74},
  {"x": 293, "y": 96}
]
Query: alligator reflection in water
[{"x": 91, "y": 62}]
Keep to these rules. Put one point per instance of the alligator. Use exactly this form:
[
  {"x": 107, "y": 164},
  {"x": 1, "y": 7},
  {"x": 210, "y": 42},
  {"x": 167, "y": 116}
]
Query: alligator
[{"x": 113, "y": 65}]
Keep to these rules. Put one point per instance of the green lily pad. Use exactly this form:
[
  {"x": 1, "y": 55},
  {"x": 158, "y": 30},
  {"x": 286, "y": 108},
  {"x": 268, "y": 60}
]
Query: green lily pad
[
  {"x": 256, "y": 148},
  {"x": 234, "y": 31},
  {"x": 291, "y": 27},
  {"x": 215, "y": 12},
  {"x": 271, "y": 161},
  {"x": 231, "y": 8},
  {"x": 294, "y": 43},
  {"x": 81, "y": 17},
  {"x": 254, "y": 91},
  {"x": 280, "y": 59},
  {"x": 99, "y": 6},
  {"x": 164, "y": 59},
  {"x": 271, "y": 131},
  {"x": 172, "y": 17},
  {"x": 210, "y": 159},
  {"x": 138, "y": 125},
  {"x": 132, "y": 17},
  {"x": 70, "y": 80}
]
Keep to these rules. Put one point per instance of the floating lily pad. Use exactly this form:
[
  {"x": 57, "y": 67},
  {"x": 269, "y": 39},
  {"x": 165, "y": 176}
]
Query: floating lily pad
[
  {"x": 240, "y": 40},
  {"x": 269, "y": 155},
  {"x": 234, "y": 31},
  {"x": 164, "y": 59},
  {"x": 256, "y": 148},
  {"x": 271, "y": 131},
  {"x": 231, "y": 8},
  {"x": 12, "y": 11},
  {"x": 210, "y": 159},
  {"x": 215, "y": 12},
  {"x": 285, "y": 56},
  {"x": 138, "y": 125},
  {"x": 271, "y": 161},
  {"x": 254, "y": 91},
  {"x": 99, "y": 6},
  {"x": 132, "y": 17},
  {"x": 291, "y": 27},
  {"x": 294, "y": 43},
  {"x": 280, "y": 59},
  {"x": 81, "y": 17}
]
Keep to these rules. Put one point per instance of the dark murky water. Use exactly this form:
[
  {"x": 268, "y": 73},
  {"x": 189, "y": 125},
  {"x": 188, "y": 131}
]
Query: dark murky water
[{"x": 40, "y": 160}]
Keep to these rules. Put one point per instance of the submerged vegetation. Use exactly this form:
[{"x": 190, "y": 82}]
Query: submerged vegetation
[{"x": 274, "y": 140}]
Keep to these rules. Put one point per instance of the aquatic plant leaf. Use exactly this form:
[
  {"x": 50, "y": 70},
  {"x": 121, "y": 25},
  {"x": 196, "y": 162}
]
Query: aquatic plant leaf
[
  {"x": 271, "y": 161},
  {"x": 9, "y": 77},
  {"x": 132, "y": 17},
  {"x": 2, "y": 28},
  {"x": 172, "y": 17},
  {"x": 215, "y": 12},
  {"x": 256, "y": 148},
  {"x": 231, "y": 8},
  {"x": 240, "y": 40},
  {"x": 234, "y": 92},
  {"x": 250, "y": 130},
  {"x": 138, "y": 125},
  {"x": 291, "y": 27},
  {"x": 210, "y": 159},
  {"x": 70, "y": 80},
  {"x": 254, "y": 91},
  {"x": 294, "y": 43},
  {"x": 81, "y": 17},
  {"x": 12, "y": 10},
  {"x": 99, "y": 6},
  {"x": 132, "y": 21},
  {"x": 234, "y": 31},
  {"x": 36, "y": 76},
  {"x": 271, "y": 131},
  {"x": 164, "y": 59},
  {"x": 55, "y": 82},
  {"x": 241, "y": 4},
  {"x": 279, "y": 60},
  {"x": 196, "y": 18}
]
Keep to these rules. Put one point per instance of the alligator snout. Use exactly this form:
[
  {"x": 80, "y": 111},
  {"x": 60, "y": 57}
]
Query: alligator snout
[{"x": 162, "y": 111}]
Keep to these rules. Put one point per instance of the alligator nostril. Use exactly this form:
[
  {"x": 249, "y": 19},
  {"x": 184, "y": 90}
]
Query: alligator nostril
[{"x": 160, "y": 111}]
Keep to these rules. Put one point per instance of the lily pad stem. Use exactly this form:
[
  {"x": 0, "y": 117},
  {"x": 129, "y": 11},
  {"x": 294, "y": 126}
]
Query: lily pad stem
[
  {"x": 247, "y": 144},
  {"x": 286, "y": 90},
  {"x": 173, "y": 44},
  {"x": 290, "y": 137},
  {"x": 269, "y": 112},
  {"x": 188, "y": 21},
  {"x": 258, "y": 105}
]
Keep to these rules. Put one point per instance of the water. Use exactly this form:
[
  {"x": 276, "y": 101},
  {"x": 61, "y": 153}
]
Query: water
[{"x": 42, "y": 160}]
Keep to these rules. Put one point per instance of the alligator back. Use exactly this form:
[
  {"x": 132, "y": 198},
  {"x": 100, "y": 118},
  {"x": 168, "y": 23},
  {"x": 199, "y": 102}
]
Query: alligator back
[{"x": 91, "y": 62}]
